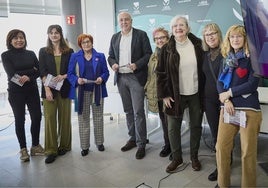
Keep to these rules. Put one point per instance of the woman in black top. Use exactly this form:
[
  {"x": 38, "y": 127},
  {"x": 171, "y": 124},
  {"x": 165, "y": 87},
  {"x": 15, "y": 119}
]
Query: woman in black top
[
  {"x": 212, "y": 39},
  {"x": 22, "y": 70}
]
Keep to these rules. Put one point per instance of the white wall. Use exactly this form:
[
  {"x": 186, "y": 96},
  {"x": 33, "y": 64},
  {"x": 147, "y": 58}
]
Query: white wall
[
  {"x": 98, "y": 20},
  {"x": 34, "y": 26}
]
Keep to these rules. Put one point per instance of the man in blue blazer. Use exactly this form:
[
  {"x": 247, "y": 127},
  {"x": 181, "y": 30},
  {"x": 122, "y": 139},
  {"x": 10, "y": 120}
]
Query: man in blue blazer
[{"x": 129, "y": 54}]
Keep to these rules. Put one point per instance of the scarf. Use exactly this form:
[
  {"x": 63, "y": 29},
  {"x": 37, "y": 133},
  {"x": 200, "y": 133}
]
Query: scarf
[
  {"x": 230, "y": 63},
  {"x": 97, "y": 92}
]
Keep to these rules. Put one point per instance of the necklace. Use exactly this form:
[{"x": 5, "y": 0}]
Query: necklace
[{"x": 214, "y": 53}]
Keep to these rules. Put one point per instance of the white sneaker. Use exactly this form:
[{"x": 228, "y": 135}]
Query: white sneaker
[
  {"x": 24, "y": 156},
  {"x": 37, "y": 150}
]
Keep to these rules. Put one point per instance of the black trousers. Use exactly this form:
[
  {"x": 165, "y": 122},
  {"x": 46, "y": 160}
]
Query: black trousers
[
  {"x": 18, "y": 102},
  {"x": 212, "y": 110},
  {"x": 164, "y": 123}
]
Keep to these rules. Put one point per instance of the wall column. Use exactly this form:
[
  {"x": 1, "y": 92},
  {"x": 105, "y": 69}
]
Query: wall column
[{"x": 72, "y": 21}]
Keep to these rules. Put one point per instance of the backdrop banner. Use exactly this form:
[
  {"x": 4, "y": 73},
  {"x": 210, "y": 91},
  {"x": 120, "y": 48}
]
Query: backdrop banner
[{"x": 149, "y": 14}]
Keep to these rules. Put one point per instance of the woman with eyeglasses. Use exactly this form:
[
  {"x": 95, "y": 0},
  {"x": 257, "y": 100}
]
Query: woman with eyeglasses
[
  {"x": 161, "y": 37},
  {"x": 212, "y": 39},
  {"x": 237, "y": 88},
  {"x": 88, "y": 72}
]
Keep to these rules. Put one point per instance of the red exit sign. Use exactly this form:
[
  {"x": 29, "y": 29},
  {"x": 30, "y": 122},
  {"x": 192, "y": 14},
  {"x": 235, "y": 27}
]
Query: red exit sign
[{"x": 70, "y": 20}]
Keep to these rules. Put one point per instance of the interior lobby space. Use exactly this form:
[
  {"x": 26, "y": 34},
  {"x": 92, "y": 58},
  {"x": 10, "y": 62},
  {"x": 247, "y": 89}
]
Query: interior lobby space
[{"x": 113, "y": 168}]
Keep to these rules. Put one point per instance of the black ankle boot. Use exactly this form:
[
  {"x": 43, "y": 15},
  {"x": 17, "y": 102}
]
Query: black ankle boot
[
  {"x": 84, "y": 152},
  {"x": 213, "y": 176},
  {"x": 165, "y": 151}
]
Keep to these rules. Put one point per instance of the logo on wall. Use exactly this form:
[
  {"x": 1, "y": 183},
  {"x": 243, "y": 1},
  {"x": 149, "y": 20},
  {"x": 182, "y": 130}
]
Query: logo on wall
[
  {"x": 203, "y": 3},
  {"x": 136, "y": 8},
  {"x": 166, "y": 6},
  {"x": 151, "y": 24}
]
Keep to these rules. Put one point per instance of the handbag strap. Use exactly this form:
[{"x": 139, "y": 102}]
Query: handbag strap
[{"x": 211, "y": 69}]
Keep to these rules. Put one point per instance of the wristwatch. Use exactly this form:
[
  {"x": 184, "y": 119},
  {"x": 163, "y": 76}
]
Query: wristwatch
[{"x": 226, "y": 100}]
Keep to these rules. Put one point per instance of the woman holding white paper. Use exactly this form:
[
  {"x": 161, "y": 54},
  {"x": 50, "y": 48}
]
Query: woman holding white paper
[
  {"x": 22, "y": 70},
  {"x": 237, "y": 87},
  {"x": 54, "y": 60},
  {"x": 89, "y": 73}
]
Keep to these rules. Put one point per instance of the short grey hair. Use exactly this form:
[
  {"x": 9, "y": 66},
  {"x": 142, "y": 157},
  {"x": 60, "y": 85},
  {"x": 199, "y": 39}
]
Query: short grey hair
[
  {"x": 179, "y": 17},
  {"x": 118, "y": 16}
]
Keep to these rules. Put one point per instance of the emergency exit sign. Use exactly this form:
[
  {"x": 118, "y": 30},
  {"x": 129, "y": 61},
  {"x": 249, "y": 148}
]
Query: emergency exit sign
[{"x": 70, "y": 19}]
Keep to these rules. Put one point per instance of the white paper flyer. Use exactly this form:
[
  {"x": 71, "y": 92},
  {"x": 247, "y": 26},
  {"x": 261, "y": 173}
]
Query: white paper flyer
[
  {"x": 50, "y": 82},
  {"x": 16, "y": 79},
  {"x": 88, "y": 81},
  {"x": 239, "y": 118}
]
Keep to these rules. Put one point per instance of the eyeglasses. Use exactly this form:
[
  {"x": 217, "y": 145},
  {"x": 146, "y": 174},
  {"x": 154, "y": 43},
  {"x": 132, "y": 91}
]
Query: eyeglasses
[
  {"x": 86, "y": 42},
  {"x": 211, "y": 34},
  {"x": 159, "y": 38}
]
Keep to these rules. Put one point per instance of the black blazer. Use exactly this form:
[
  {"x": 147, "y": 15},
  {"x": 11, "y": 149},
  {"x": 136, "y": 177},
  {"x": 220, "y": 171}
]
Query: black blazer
[
  {"x": 48, "y": 66},
  {"x": 140, "y": 53}
]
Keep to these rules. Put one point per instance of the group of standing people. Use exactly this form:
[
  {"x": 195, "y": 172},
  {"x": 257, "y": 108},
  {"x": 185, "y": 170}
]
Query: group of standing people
[
  {"x": 57, "y": 59},
  {"x": 212, "y": 75},
  {"x": 216, "y": 79}
]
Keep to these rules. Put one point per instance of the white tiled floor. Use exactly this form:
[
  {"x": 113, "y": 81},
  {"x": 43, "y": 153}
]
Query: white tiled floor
[{"x": 111, "y": 168}]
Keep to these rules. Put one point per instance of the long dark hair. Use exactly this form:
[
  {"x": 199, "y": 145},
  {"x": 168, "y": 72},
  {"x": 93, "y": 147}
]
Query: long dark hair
[
  {"x": 12, "y": 34},
  {"x": 64, "y": 47}
]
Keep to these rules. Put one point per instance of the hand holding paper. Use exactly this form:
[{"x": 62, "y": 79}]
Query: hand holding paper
[
  {"x": 53, "y": 83},
  {"x": 239, "y": 118}
]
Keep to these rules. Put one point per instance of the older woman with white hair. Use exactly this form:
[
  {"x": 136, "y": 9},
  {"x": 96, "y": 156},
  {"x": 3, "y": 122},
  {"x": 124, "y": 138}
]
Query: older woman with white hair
[{"x": 180, "y": 84}]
